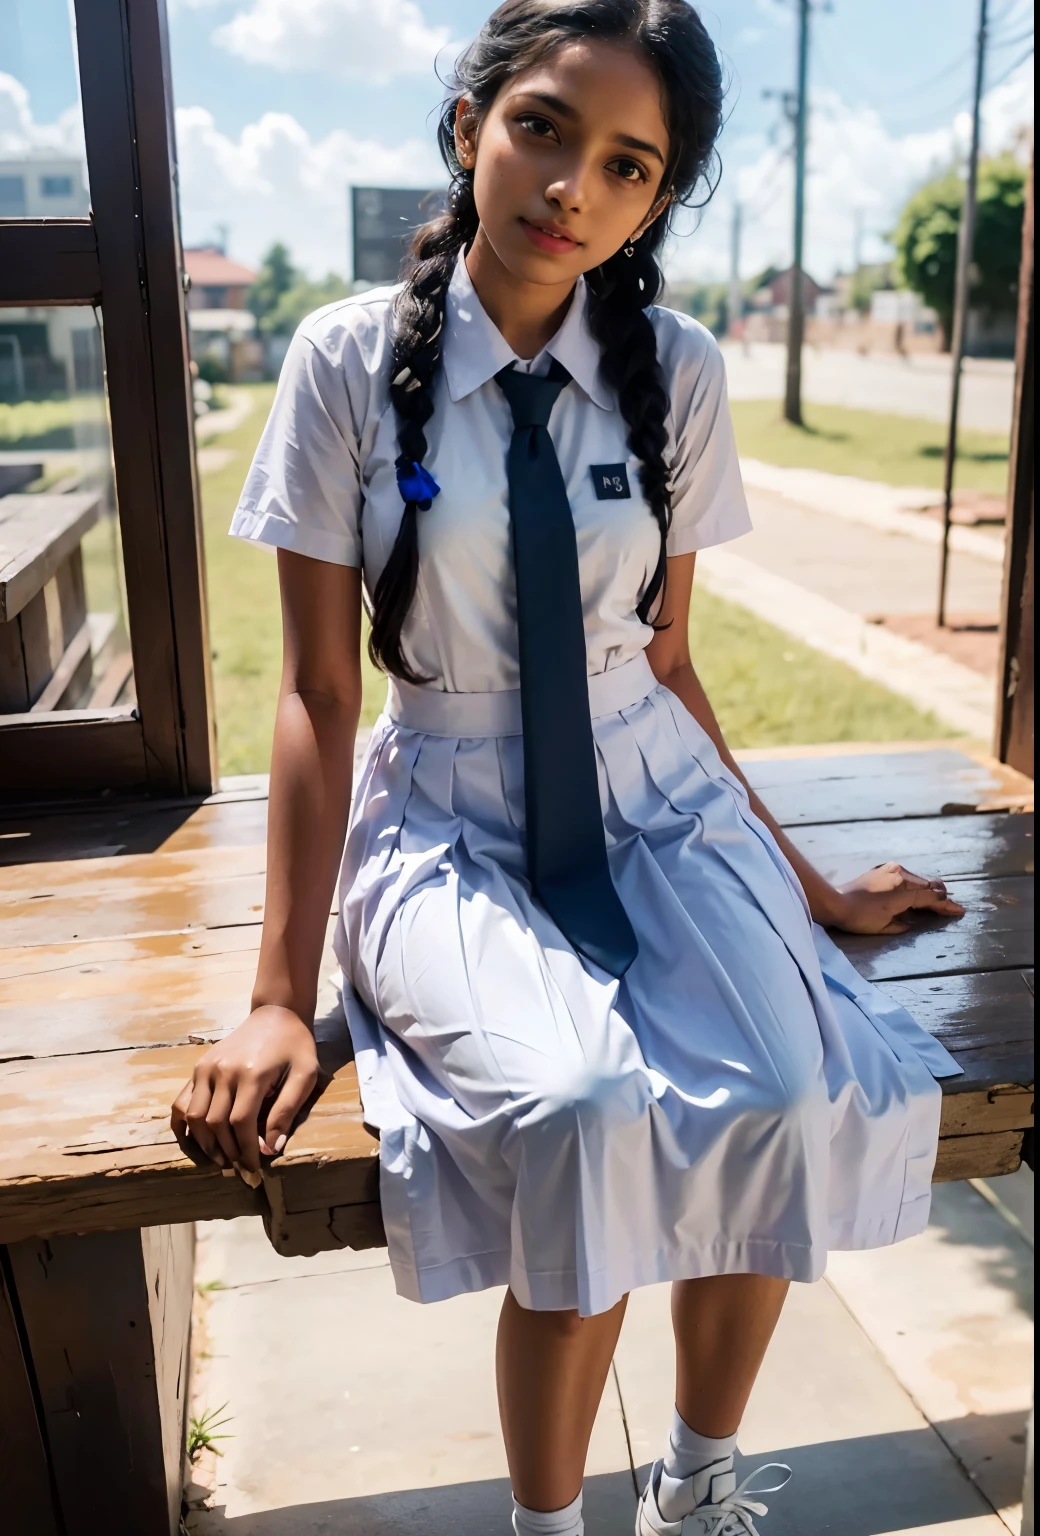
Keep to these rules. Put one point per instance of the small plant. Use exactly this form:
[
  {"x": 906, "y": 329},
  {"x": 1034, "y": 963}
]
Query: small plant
[
  {"x": 201, "y": 1436},
  {"x": 205, "y": 1286}
]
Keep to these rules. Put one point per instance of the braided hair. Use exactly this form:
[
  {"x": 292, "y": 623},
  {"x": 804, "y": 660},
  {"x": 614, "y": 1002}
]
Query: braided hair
[{"x": 516, "y": 36}]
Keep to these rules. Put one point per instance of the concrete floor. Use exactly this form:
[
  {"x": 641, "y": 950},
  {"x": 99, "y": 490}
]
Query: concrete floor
[{"x": 358, "y": 1414}]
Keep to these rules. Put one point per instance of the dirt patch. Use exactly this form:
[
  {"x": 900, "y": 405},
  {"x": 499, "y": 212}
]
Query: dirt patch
[{"x": 971, "y": 639}]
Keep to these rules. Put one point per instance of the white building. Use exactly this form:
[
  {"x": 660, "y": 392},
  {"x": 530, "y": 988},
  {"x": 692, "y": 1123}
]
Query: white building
[{"x": 43, "y": 186}]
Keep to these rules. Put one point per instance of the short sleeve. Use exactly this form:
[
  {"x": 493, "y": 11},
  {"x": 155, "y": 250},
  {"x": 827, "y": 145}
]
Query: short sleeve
[
  {"x": 303, "y": 490},
  {"x": 708, "y": 502}
]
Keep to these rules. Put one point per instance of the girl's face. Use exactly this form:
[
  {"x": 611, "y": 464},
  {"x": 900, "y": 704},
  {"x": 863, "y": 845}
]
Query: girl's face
[{"x": 568, "y": 161}]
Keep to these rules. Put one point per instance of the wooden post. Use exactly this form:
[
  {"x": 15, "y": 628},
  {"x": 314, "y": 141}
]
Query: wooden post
[
  {"x": 1014, "y": 732},
  {"x": 26, "y": 1493},
  {"x": 96, "y": 1330}
]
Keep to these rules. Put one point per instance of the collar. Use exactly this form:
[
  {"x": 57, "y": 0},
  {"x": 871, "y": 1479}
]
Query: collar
[{"x": 475, "y": 349}]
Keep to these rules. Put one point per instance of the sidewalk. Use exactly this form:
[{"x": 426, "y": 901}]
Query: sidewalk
[
  {"x": 355, "y": 1413},
  {"x": 848, "y": 568}
]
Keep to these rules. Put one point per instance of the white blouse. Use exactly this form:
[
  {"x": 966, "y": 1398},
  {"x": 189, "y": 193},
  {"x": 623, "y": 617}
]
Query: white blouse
[{"x": 323, "y": 480}]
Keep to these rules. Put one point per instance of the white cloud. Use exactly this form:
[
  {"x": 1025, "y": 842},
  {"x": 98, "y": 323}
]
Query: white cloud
[
  {"x": 274, "y": 182},
  {"x": 377, "y": 39},
  {"x": 20, "y": 134},
  {"x": 858, "y": 170}
]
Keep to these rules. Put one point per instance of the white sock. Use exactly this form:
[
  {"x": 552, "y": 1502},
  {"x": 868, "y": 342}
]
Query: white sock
[
  {"x": 689, "y": 1453},
  {"x": 552, "y": 1522}
]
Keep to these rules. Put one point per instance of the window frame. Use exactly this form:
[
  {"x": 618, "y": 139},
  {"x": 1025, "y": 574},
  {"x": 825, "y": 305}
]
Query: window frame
[{"x": 126, "y": 260}]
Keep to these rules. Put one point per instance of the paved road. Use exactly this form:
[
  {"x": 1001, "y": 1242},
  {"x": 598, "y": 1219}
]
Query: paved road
[{"x": 915, "y": 386}]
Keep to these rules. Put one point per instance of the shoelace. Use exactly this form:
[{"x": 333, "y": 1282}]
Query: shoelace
[{"x": 735, "y": 1511}]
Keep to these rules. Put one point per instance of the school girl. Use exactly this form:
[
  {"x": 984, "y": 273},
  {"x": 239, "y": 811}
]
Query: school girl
[{"x": 598, "y": 1021}]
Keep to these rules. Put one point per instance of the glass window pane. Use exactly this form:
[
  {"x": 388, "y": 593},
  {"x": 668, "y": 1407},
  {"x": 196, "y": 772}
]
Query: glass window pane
[
  {"x": 63, "y": 632},
  {"x": 43, "y": 171}
]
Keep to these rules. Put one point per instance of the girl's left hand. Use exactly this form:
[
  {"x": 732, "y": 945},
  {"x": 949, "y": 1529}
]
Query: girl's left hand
[{"x": 877, "y": 901}]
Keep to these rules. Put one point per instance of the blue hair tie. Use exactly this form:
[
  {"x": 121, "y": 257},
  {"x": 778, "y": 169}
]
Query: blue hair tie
[{"x": 416, "y": 484}]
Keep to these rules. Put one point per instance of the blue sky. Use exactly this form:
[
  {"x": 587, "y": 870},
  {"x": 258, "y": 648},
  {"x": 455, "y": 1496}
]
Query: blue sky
[{"x": 281, "y": 103}]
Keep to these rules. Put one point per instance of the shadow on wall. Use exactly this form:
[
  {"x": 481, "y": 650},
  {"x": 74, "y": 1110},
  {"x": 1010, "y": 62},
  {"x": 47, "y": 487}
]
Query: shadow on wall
[{"x": 868, "y": 1486}]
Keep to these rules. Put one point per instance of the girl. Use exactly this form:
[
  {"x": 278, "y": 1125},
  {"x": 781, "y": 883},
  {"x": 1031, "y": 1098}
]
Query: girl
[{"x": 597, "y": 1019}]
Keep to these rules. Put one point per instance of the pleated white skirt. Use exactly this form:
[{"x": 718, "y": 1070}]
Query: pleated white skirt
[{"x": 740, "y": 1102}]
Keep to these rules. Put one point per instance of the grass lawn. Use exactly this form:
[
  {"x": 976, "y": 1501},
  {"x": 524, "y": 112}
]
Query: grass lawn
[
  {"x": 899, "y": 450},
  {"x": 766, "y": 688},
  {"x": 64, "y": 423}
]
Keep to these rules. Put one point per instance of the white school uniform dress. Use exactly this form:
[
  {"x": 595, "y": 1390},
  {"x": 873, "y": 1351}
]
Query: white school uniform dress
[{"x": 742, "y": 1100}]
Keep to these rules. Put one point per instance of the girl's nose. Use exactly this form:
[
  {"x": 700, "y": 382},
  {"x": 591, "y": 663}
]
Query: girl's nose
[{"x": 568, "y": 190}]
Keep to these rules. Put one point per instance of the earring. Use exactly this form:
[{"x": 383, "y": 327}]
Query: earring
[{"x": 629, "y": 249}]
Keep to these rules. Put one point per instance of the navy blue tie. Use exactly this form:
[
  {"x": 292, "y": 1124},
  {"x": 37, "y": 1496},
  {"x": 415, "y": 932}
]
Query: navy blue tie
[{"x": 566, "y": 844}]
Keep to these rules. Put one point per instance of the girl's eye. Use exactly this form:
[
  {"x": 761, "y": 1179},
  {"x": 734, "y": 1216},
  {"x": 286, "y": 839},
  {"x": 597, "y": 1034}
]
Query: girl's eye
[
  {"x": 629, "y": 170},
  {"x": 539, "y": 126}
]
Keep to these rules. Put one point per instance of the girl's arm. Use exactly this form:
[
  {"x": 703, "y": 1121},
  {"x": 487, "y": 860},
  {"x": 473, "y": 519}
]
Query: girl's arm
[
  {"x": 272, "y": 1054},
  {"x": 874, "y": 902}
]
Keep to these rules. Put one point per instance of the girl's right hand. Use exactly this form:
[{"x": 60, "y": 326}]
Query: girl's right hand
[{"x": 270, "y": 1058}]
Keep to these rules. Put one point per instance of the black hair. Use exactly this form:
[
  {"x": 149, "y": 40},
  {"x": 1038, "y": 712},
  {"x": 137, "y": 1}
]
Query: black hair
[{"x": 519, "y": 33}]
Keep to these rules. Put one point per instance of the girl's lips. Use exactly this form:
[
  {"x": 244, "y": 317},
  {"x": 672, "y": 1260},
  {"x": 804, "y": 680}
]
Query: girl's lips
[{"x": 545, "y": 241}]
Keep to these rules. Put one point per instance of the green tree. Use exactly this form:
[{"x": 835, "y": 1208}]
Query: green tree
[
  {"x": 926, "y": 239},
  {"x": 277, "y": 276},
  {"x": 299, "y": 300}
]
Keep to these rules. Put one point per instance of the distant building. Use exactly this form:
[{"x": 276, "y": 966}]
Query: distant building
[
  {"x": 217, "y": 282},
  {"x": 898, "y": 306},
  {"x": 49, "y": 351},
  {"x": 220, "y": 326},
  {"x": 773, "y": 296},
  {"x": 43, "y": 186}
]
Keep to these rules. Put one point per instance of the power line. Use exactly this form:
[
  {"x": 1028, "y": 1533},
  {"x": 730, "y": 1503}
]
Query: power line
[
  {"x": 1009, "y": 42},
  {"x": 886, "y": 96},
  {"x": 1010, "y": 70}
]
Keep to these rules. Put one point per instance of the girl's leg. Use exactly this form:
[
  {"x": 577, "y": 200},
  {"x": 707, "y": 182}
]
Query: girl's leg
[
  {"x": 551, "y": 1371},
  {"x": 722, "y": 1327}
]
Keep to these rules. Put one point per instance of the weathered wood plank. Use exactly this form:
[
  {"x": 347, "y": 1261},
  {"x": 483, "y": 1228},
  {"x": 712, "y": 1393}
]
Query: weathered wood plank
[
  {"x": 985, "y": 1020},
  {"x": 88, "y": 1143},
  {"x": 950, "y": 847},
  {"x": 89, "y": 1307},
  {"x": 168, "y": 1253},
  {"x": 131, "y": 938},
  {"x": 43, "y": 962},
  {"x": 168, "y": 989},
  {"x": 978, "y": 1112},
  {"x": 135, "y": 895},
  {"x": 882, "y": 786},
  {"x": 978, "y": 1157},
  {"x": 36, "y": 837},
  {"x": 37, "y": 533},
  {"x": 995, "y": 933},
  {"x": 25, "y": 1489},
  {"x": 88, "y": 751}
]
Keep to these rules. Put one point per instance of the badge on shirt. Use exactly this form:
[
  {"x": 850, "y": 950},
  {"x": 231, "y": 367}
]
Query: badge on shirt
[{"x": 610, "y": 481}]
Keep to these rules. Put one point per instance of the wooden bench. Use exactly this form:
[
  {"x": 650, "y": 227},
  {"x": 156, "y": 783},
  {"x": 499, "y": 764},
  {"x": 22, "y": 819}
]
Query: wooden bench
[
  {"x": 47, "y": 650},
  {"x": 129, "y": 937}
]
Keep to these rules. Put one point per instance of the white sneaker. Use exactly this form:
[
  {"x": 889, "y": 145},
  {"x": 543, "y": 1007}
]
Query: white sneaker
[{"x": 721, "y": 1508}]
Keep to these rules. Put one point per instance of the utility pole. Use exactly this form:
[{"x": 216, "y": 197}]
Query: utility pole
[
  {"x": 735, "y": 304},
  {"x": 961, "y": 292},
  {"x": 796, "y": 308}
]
